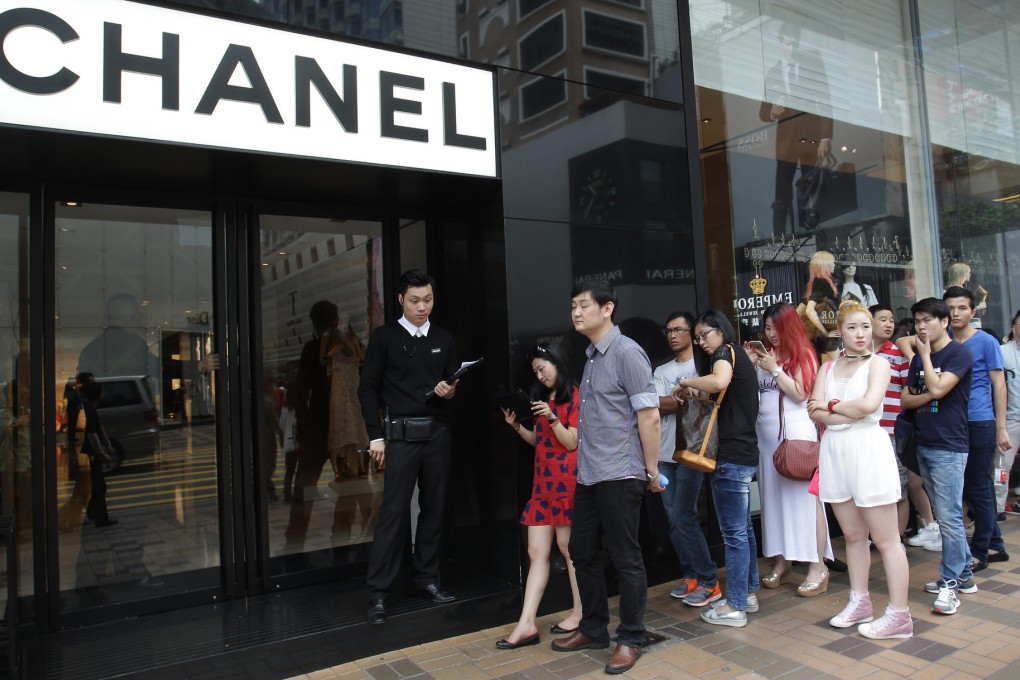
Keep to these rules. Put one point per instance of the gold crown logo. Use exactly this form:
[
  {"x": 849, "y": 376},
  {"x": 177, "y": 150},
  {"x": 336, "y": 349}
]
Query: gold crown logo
[{"x": 758, "y": 285}]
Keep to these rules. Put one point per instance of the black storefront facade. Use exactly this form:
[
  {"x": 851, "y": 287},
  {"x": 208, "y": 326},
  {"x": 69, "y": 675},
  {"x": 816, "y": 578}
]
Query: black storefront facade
[
  {"x": 195, "y": 175},
  {"x": 197, "y": 180}
]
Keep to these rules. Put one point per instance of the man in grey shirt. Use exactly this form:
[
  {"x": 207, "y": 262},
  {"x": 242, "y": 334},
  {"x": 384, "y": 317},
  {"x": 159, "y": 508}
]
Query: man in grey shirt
[{"x": 617, "y": 459}]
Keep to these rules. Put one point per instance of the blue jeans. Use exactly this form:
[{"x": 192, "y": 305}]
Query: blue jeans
[
  {"x": 612, "y": 509},
  {"x": 942, "y": 472},
  {"x": 979, "y": 489},
  {"x": 680, "y": 498},
  {"x": 731, "y": 491}
]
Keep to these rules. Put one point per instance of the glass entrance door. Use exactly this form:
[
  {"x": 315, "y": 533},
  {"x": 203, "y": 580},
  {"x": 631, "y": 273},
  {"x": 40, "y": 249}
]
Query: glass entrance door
[
  {"x": 136, "y": 476},
  {"x": 322, "y": 282}
]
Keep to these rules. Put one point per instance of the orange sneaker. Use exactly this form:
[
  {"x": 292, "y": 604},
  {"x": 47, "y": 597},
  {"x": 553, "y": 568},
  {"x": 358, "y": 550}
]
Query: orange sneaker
[
  {"x": 701, "y": 596},
  {"x": 686, "y": 587}
]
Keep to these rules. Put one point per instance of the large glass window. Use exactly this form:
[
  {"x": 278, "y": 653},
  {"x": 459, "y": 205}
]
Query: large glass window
[
  {"x": 15, "y": 408},
  {"x": 812, "y": 153},
  {"x": 136, "y": 476},
  {"x": 321, "y": 298},
  {"x": 972, "y": 92}
]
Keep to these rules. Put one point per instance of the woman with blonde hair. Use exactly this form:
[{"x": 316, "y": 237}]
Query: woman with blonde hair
[{"x": 858, "y": 476}]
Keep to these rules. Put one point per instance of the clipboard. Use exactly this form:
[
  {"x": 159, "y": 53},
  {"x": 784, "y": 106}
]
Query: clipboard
[
  {"x": 518, "y": 402},
  {"x": 465, "y": 367}
]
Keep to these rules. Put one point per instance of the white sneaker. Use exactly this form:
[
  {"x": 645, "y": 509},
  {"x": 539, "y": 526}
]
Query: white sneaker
[
  {"x": 947, "y": 601},
  {"x": 934, "y": 542},
  {"x": 924, "y": 535}
]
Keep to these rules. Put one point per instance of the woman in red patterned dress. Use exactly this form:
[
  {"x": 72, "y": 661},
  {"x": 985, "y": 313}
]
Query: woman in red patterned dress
[{"x": 548, "y": 514}]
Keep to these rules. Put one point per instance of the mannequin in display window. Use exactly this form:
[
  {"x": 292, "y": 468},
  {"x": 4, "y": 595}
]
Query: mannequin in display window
[
  {"x": 958, "y": 274},
  {"x": 854, "y": 291},
  {"x": 818, "y": 308}
]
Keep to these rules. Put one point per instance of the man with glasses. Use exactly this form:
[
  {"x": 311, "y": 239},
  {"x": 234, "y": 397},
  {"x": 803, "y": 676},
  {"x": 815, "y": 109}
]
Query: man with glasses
[
  {"x": 617, "y": 460},
  {"x": 938, "y": 386},
  {"x": 698, "y": 585}
]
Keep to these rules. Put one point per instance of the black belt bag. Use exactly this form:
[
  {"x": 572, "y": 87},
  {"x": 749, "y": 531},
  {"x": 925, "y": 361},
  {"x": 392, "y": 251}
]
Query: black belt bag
[{"x": 417, "y": 429}]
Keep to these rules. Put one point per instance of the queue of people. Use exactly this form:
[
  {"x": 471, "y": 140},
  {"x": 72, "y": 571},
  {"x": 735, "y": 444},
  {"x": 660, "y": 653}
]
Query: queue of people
[{"x": 897, "y": 424}]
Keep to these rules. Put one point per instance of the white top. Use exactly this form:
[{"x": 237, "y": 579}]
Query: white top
[
  {"x": 667, "y": 377},
  {"x": 1011, "y": 362}
]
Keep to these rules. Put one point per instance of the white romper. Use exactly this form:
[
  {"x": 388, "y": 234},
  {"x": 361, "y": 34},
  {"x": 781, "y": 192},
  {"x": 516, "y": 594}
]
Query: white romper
[{"x": 857, "y": 460}]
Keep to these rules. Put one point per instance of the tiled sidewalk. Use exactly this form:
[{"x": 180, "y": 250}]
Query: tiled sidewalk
[{"x": 789, "y": 638}]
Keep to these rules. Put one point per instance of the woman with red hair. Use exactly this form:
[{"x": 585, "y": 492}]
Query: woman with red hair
[{"x": 793, "y": 520}]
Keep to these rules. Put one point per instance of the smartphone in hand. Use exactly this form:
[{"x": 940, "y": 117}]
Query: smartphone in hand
[{"x": 757, "y": 346}]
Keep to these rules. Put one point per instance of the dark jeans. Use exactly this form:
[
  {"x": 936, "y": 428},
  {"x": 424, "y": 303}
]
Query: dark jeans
[
  {"x": 96, "y": 508},
  {"x": 612, "y": 508},
  {"x": 731, "y": 491},
  {"x": 680, "y": 498},
  {"x": 979, "y": 489},
  {"x": 427, "y": 465}
]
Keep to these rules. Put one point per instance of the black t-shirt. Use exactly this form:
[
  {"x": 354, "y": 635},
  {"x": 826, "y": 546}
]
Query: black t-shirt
[
  {"x": 824, "y": 296},
  {"x": 738, "y": 441},
  {"x": 943, "y": 423}
]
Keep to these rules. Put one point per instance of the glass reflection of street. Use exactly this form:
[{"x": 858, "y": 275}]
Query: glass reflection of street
[{"x": 156, "y": 496}]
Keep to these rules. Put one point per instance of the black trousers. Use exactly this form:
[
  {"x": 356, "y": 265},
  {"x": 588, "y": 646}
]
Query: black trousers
[
  {"x": 426, "y": 464},
  {"x": 613, "y": 509},
  {"x": 785, "y": 218},
  {"x": 96, "y": 508}
]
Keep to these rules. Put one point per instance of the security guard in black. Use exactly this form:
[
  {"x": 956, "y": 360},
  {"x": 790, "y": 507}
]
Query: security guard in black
[{"x": 405, "y": 361}]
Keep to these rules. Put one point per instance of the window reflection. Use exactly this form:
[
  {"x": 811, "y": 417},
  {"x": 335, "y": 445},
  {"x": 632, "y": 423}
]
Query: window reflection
[
  {"x": 809, "y": 149},
  {"x": 136, "y": 474},
  {"x": 15, "y": 407},
  {"x": 321, "y": 297},
  {"x": 972, "y": 93}
]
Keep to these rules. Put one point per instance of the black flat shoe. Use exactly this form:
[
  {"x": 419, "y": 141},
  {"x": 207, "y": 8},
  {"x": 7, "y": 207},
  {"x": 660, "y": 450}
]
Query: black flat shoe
[
  {"x": 978, "y": 565},
  {"x": 836, "y": 565},
  {"x": 1001, "y": 556},
  {"x": 376, "y": 612},
  {"x": 432, "y": 592},
  {"x": 559, "y": 630},
  {"x": 526, "y": 642}
]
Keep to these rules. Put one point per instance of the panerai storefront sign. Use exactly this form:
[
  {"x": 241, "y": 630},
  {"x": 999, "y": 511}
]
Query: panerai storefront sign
[{"x": 126, "y": 69}]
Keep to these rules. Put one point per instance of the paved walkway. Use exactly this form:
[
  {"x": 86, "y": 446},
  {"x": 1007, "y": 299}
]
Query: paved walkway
[{"x": 789, "y": 638}]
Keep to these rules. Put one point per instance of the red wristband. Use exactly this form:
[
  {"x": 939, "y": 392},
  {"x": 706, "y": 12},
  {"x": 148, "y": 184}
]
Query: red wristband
[{"x": 832, "y": 405}]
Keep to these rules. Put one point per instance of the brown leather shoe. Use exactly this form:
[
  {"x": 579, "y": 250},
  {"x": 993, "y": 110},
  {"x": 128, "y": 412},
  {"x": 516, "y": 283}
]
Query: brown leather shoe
[
  {"x": 623, "y": 659},
  {"x": 576, "y": 641}
]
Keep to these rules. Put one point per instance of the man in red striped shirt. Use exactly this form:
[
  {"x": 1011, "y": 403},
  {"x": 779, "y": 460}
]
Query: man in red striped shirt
[{"x": 910, "y": 482}]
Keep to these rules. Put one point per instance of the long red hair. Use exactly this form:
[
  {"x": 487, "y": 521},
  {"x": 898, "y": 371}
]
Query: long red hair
[{"x": 795, "y": 349}]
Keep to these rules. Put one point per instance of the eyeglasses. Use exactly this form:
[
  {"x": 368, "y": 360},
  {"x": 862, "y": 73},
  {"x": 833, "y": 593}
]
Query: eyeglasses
[
  {"x": 675, "y": 330},
  {"x": 701, "y": 336}
]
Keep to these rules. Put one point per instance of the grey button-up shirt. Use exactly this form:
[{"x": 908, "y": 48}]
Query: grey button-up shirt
[{"x": 617, "y": 383}]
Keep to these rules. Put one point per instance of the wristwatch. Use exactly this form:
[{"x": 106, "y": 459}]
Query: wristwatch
[
  {"x": 775, "y": 373},
  {"x": 651, "y": 477}
]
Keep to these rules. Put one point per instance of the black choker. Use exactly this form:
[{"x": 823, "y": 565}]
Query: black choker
[{"x": 851, "y": 357}]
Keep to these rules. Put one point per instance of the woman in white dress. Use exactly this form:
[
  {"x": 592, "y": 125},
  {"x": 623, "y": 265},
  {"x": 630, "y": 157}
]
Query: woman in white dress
[
  {"x": 858, "y": 475},
  {"x": 793, "y": 521}
]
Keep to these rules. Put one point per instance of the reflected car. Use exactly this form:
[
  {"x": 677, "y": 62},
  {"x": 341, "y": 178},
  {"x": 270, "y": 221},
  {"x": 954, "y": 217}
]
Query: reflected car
[{"x": 129, "y": 413}]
